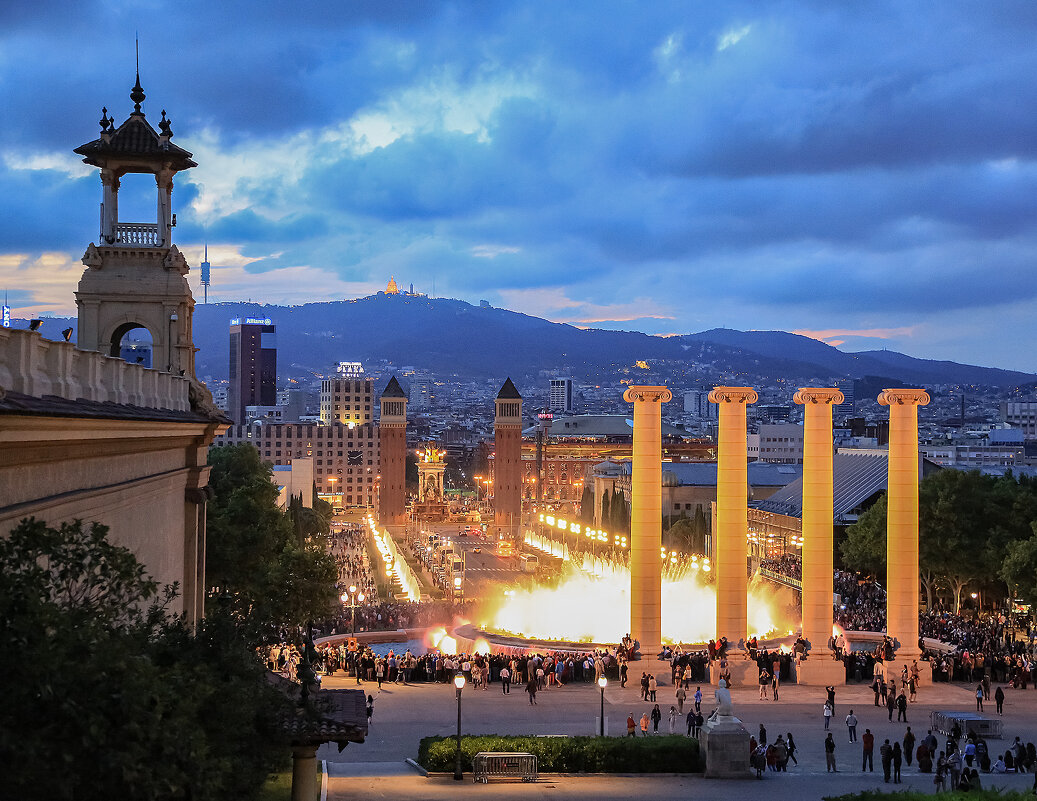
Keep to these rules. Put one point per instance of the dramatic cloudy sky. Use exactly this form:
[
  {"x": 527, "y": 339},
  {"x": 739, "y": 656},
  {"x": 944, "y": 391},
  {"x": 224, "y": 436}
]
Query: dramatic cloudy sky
[{"x": 863, "y": 171}]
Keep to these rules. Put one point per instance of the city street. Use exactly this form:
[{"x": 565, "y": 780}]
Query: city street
[{"x": 403, "y": 715}]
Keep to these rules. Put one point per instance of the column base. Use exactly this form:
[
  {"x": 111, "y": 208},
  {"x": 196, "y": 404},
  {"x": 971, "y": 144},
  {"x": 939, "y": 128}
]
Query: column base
[
  {"x": 894, "y": 668},
  {"x": 744, "y": 672},
  {"x": 304, "y": 773},
  {"x": 650, "y": 663},
  {"x": 726, "y": 743},
  {"x": 820, "y": 671}
]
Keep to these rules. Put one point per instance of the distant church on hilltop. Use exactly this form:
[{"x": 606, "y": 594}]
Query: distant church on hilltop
[{"x": 85, "y": 435}]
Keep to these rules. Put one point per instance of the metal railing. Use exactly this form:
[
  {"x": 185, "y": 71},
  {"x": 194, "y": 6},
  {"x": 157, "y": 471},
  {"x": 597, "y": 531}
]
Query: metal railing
[
  {"x": 489, "y": 765},
  {"x": 145, "y": 234}
]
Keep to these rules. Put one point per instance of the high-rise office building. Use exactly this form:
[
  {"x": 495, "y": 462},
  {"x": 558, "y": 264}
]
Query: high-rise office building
[
  {"x": 346, "y": 401},
  {"x": 561, "y": 398},
  {"x": 696, "y": 403},
  {"x": 422, "y": 392},
  {"x": 848, "y": 407},
  {"x": 253, "y": 365}
]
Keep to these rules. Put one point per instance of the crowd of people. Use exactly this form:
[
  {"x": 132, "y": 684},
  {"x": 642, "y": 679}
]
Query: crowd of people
[
  {"x": 788, "y": 565},
  {"x": 348, "y": 545}
]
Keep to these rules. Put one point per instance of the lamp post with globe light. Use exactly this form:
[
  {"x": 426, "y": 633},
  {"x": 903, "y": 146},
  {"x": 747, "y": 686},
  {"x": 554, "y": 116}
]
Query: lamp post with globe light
[
  {"x": 459, "y": 682},
  {"x": 352, "y": 597},
  {"x": 603, "y": 683}
]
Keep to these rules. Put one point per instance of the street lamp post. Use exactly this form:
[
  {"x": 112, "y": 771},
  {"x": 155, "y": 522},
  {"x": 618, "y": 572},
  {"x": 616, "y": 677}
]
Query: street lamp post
[
  {"x": 603, "y": 683},
  {"x": 459, "y": 684},
  {"x": 352, "y": 597}
]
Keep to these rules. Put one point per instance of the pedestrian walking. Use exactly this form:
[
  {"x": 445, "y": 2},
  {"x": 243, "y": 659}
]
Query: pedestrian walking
[
  {"x": 868, "y": 751},
  {"x": 531, "y": 688},
  {"x": 505, "y": 680},
  {"x": 791, "y": 745},
  {"x": 370, "y": 709},
  {"x": 827, "y": 712},
  {"x": 830, "y": 754},
  {"x": 680, "y": 695},
  {"x": 851, "y": 725}
]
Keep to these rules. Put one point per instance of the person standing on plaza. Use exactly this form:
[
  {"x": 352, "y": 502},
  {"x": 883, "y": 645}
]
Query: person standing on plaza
[
  {"x": 830, "y": 754},
  {"x": 912, "y": 689},
  {"x": 868, "y": 751},
  {"x": 680, "y": 695},
  {"x": 891, "y": 704},
  {"x": 644, "y": 686},
  {"x": 979, "y": 697},
  {"x": 691, "y": 722},
  {"x": 830, "y": 690},
  {"x": 875, "y": 689},
  {"x": 765, "y": 679},
  {"x": 940, "y": 779},
  {"x": 505, "y": 680},
  {"x": 644, "y": 725},
  {"x": 623, "y": 670},
  {"x": 774, "y": 685},
  {"x": 954, "y": 767},
  {"x": 999, "y": 700},
  {"x": 653, "y": 685},
  {"x": 698, "y": 699},
  {"x": 909, "y": 745},
  {"x": 673, "y": 719},
  {"x": 827, "y": 712},
  {"x": 851, "y": 725},
  {"x": 631, "y": 725},
  {"x": 657, "y": 716},
  {"x": 898, "y": 759},
  {"x": 763, "y": 734},
  {"x": 886, "y": 756},
  {"x": 901, "y": 707}
]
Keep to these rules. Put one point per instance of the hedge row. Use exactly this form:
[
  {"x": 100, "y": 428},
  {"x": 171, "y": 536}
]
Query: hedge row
[
  {"x": 986, "y": 794},
  {"x": 669, "y": 754}
]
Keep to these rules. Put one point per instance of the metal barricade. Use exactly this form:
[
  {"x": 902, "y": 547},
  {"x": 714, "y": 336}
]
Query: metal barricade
[
  {"x": 944, "y": 721},
  {"x": 496, "y": 765}
]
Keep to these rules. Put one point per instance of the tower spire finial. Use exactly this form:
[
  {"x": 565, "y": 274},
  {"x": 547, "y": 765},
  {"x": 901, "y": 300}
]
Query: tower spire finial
[{"x": 137, "y": 95}]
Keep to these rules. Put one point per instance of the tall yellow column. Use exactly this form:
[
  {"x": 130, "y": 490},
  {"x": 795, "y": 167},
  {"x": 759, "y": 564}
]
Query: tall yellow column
[
  {"x": 902, "y": 522},
  {"x": 729, "y": 539},
  {"x": 818, "y": 513},
  {"x": 646, "y": 515}
]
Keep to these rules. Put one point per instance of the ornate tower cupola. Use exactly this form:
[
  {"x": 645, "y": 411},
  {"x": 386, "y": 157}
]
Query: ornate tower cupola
[{"x": 136, "y": 277}]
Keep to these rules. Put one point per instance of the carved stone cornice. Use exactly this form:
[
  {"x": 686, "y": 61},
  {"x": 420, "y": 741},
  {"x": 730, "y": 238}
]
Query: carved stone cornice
[
  {"x": 827, "y": 395},
  {"x": 901, "y": 397},
  {"x": 647, "y": 394},
  {"x": 733, "y": 395}
]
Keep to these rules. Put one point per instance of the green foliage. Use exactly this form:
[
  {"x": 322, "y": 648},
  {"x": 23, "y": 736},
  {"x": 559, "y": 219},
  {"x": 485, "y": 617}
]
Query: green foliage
[
  {"x": 606, "y": 509},
  {"x": 110, "y": 697},
  {"x": 1019, "y": 569},
  {"x": 267, "y": 570},
  {"x": 968, "y": 522},
  {"x": 587, "y": 505},
  {"x": 619, "y": 514},
  {"x": 667, "y": 754},
  {"x": 991, "y": 794}
]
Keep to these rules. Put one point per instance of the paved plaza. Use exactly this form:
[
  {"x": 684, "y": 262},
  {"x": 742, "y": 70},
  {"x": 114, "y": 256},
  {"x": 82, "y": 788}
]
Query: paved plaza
[{"x": 405, "y": 714}]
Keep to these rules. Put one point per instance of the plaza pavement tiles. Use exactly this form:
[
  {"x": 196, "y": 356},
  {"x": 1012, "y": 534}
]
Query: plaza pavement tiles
[{"x": 405, "y": 714}]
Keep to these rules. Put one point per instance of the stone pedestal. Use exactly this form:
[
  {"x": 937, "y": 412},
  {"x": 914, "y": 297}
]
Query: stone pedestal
[
  {"x": 744, "y": 673},
  {"x": 821, "y": 672},
  {"x": 726, "y": 743}
]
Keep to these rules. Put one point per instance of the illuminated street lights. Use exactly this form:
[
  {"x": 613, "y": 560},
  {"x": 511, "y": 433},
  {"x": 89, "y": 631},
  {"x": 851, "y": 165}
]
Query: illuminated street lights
[
  {"x": 352, "y": 597},
  {"x": 459, "y": 684},
  {"x": 603, "y": 683}
]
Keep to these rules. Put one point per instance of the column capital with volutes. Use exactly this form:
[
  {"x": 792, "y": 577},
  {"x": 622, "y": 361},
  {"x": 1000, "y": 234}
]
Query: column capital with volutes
[
  {"x": 733, "y": 395},
  {"x": 903, "y": 397},
  {"x": 647, "y": 394},
  {"x": 826, "y": 395}
]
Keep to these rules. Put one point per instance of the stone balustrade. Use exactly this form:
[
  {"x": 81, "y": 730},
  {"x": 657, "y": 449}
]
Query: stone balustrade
[
  {"x": 145, "y": 234},
  {"x": 35, "y": 366}
]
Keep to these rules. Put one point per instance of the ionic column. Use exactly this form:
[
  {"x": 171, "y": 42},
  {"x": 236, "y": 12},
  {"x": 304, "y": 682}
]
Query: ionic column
[
  {"x": 732, "y": 511},
  {"x": 902, "y": 519},
  {"x": 646, "y": 515},
  {"x": 818, "y": 514}
]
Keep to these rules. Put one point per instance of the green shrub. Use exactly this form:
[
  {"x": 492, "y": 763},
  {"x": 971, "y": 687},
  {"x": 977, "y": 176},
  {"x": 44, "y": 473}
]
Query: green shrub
[
  {"x": 671, "y": 754},
  {"x": 986, "y": 794}
]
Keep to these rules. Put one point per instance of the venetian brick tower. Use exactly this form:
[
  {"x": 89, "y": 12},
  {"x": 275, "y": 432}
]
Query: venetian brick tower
[
  {"x": 507, "y": 461},
  {"x": 392, "y": 439}
]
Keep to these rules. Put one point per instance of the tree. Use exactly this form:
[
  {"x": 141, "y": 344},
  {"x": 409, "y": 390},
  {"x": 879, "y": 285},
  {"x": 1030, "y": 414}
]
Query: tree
[
  {"x": 107, "y": 695},
  {"x": 587, "y": 505},
  {"x": 606, "y": 509},
  {"x": 1019, "y": 568},
  {"x": 268, "y": 571}
]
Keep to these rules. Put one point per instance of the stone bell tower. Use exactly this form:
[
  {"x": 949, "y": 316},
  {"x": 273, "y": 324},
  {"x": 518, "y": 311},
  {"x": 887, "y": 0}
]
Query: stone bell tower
[{"x": 135, "y": 276}]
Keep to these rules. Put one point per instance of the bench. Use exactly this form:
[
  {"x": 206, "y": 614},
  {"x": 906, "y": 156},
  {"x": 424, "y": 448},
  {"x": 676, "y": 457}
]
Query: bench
[{"x": 499, "y": 765}]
